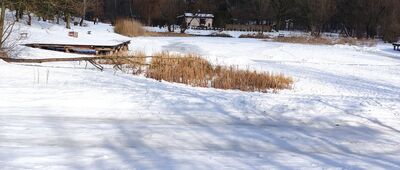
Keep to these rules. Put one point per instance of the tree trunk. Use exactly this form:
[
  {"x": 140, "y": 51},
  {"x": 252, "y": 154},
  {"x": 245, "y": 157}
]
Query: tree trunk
[
  {"x": 183, "y": 27},
  {"x": 170, "y": 29},
  {"x": 17, "y": 15},
  {"x": 2, "y": 15},
  {"x": 21, "y": 14},
  {"x": 316, "y": 30},
  {"x": 29, "y": 19},
  {"x": 149, "y": 21},
  {"x": 58, "y": 19},
  {"x": 81, "y": 23},
  {"x": 67, "y": 21},
  {"x": 84, "y": 13}
]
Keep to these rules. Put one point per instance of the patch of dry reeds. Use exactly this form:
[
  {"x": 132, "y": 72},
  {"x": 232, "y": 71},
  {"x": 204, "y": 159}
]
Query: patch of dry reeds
[
  {"x": 134, "y": 63},
  {"x": 304, "y": 40},
  {"x": 195, "y": 71},
  {"x": 247, "y": 80},
  {"x": 326, "y": 41},
  {"x": 129, "y": 27},
  {"x": 191, "y": 69}
]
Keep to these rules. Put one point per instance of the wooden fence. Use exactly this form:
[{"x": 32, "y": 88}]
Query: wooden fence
[{"x": 252, "y": 28}]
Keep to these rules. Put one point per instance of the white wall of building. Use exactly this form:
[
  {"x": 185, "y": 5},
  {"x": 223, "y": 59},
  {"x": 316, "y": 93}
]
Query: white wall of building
[{"x": 196, "y": 22}]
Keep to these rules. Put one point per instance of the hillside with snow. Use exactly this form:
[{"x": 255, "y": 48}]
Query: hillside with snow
[{"x": 342, "y": 113}]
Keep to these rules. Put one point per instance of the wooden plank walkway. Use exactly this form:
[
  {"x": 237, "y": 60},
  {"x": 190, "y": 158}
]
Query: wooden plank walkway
[{"x": 84, "y": 49}]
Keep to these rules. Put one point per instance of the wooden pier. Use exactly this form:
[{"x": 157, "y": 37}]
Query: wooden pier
[{"x": 84, "y": 49}]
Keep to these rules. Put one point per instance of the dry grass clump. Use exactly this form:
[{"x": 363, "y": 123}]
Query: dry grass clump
[
  {"x": 195, "y": 71},
  {"x": 135, "y": 64},
  {"x": 304, "y": 40},
  {"x": 189, "y": 69},
  {"x": 254, "y": 35},
  {"x": 355, "y": 41},
  {"x": 246, "y": 80},
  {"x": 129, "y": 27},
  {"x": 326, "y": 41}
]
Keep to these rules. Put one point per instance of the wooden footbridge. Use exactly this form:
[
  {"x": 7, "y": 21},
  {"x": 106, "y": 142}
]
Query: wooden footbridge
[{"x": 84, "y": 49}]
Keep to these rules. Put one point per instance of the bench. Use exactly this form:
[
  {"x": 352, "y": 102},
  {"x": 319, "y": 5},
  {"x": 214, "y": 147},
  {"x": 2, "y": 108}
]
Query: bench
[
  {"x": 73, "y": 34},
  {"x": 23, "y": 36},
  {"x": 396, "y": 46}
]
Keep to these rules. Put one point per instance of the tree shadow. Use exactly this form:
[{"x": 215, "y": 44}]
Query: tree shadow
[
  {"x": 202, "y": 128},
  {"x": 226, "y": 129}
]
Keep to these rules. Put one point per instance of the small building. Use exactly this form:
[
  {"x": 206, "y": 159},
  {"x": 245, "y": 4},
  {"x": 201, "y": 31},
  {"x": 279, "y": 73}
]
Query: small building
[{"x": 197, "y": 20}]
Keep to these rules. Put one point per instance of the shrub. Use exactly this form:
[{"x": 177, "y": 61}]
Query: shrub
[{"x": 129, "y": 27}]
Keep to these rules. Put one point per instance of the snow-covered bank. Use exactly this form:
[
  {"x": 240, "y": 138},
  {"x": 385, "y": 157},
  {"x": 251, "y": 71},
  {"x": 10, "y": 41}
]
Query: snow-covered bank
[{"x": 343, "y": 113}]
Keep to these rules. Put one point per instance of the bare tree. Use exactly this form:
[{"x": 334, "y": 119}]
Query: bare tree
[
  {"x": 96, "y": 8},
  {"x": 170, "y": 9},
  {"x": 319, "y": 13},
  {"x": 281, "y": 10},
  {"x": 6, "y": 30}
]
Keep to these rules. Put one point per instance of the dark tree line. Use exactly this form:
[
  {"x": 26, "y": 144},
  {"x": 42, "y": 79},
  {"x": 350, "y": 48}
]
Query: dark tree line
[
  {"x": 355, "y": 18},
  {"x": 55, "y": 10}
]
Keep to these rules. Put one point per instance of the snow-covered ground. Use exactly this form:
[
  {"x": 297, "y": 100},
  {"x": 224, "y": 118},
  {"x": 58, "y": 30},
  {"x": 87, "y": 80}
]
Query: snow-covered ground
[{"x": 343, "y": 112}]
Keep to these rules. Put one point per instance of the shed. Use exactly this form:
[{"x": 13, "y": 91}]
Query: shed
[{"x": 197, "y": 20}]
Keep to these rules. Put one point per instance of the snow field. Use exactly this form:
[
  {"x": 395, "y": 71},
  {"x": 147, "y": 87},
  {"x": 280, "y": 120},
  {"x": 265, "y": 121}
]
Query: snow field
[{"x": 343, "y": 112}]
